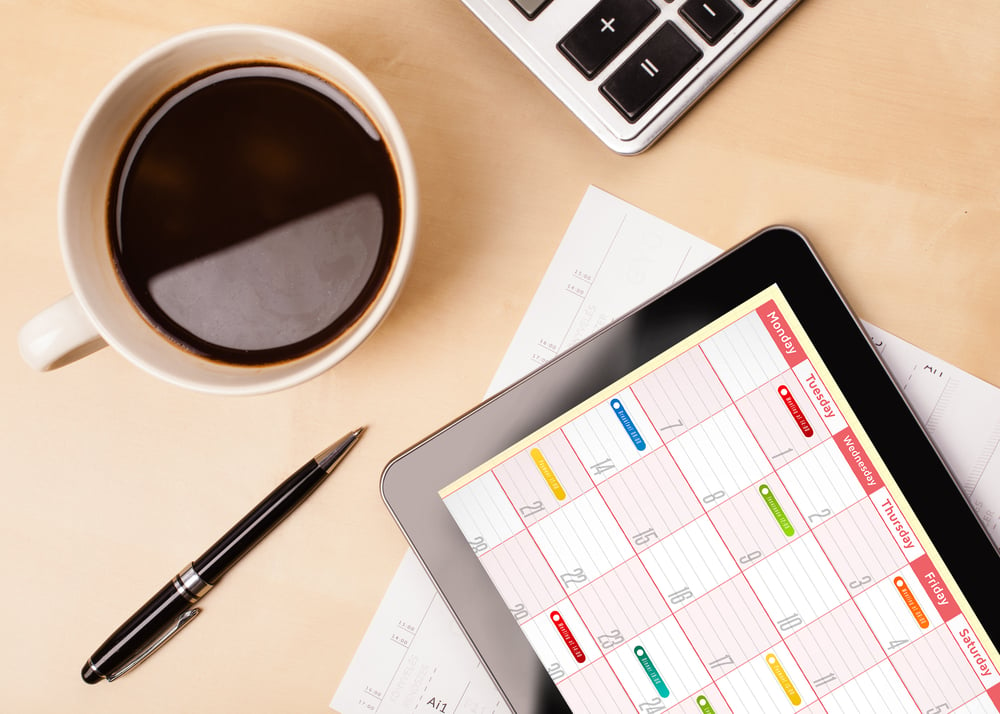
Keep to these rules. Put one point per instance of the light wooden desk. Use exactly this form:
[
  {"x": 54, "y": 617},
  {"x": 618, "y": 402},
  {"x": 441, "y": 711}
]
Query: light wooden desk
[{"x": 871, "y": 126}]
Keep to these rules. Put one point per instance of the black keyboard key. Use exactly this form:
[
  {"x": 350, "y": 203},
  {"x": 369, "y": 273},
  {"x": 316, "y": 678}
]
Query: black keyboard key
[
  {"x": 712, "y": 19},
  {"x": 652, "y": 70},
  {"x": 604, "y": 31},
  {"x": 530, "y": 8}
]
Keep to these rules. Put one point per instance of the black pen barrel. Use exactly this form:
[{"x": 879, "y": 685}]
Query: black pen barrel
[
  {"x": 170, "y": 609},
  {"x": 242, "y": 537},
  {"x": 159, "y": 613}
]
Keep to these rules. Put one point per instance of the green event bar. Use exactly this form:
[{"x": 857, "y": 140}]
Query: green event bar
[{"x": 776, "y": 510}]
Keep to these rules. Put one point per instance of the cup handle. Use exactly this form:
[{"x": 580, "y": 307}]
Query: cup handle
[{"x": 59, "y": 334}]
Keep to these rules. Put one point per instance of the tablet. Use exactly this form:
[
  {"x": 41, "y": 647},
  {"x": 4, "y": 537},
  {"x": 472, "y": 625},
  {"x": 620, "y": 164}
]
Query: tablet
[{"x": 718, "y": 503}]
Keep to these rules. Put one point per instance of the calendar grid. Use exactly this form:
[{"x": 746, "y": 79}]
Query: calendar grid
[
  {"x": 708, "y": 515},
  {"x": 713, "y": 531},
  {"x": 565, "y": 591},
  {"x": 870, "y": 499},
  {"x": 636, "y": 555},
  {"x": 777, "y": 476},
  {"x": 742, "y": 574},
  {"x": 887, "y": 658}
]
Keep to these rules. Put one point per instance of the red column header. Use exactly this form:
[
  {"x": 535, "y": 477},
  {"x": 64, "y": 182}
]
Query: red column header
[{"x": 781, "y": 333}]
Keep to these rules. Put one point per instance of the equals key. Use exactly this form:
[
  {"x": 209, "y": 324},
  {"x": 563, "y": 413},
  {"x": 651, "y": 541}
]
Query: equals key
[{"x": 653, "y": 69}]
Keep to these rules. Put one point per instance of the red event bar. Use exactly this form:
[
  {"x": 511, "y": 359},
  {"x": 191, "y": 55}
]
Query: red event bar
[
  {"x": 781, "y": 333},
  {"x": 793, "y": 408},
  {"x": 568, "y": 638}
]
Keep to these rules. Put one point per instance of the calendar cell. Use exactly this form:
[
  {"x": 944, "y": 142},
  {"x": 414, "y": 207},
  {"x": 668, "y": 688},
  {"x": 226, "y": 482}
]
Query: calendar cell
[
  {"x": 522, "y": 576},
  {"x": 689, "y": 563},
  {"x": 770, "y": 683},
  {"x": 898, "y": 610},
  {"x": 796, "y": 585},
  {"x": 659, "y": 663},
  {"x": 728, "y": 626},
  {"x": 744, "y": 356},
  {"x": 612, "y": 435},
  {"x": 651, "y": 499},
  {"x": 594, "y": 690},
  {"x": 835, "y": 649},
  {"x": 681, "y": 394},
  {"x": 561, "y": 640},
  {"x": 720, "y": 457},
  {"x": 620, "y": 604},
  {"x": 859, "y": 546},
  {"x": 542, "y": 479},
  {"x": 757, "y": 521},
  {"x": 878, "y": 689},
  {"x": 821, "y": 483},
  {"x": 484, "y": 513},
  {"x": 936, "y": 672},
  {"x": 783, "y": 419},
  {"x": 582, "y": 541}
]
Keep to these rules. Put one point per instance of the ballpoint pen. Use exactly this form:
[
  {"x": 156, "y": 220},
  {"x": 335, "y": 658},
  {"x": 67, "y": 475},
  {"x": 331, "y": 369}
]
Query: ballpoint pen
[{"x": 169, "y": 610}]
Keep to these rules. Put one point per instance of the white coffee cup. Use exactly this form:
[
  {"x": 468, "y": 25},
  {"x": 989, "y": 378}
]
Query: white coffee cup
[{"x": 100, "y": 311}]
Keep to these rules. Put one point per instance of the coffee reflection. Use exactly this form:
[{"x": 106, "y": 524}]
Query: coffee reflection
[
  {"x": 275, "y": 289},
  {"x": 255, "y": 214}
]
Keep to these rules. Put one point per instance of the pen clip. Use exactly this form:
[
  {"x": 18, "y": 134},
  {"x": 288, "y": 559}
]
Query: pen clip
[{"x": 183, "y": 619}]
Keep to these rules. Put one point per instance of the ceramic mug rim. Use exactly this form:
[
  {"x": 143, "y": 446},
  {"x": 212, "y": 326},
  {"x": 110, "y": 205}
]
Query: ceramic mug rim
[{"x": 181, "y": 366}]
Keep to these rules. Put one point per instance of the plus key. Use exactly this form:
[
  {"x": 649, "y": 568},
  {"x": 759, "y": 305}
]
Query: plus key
[{"x": 604, "y": 31}]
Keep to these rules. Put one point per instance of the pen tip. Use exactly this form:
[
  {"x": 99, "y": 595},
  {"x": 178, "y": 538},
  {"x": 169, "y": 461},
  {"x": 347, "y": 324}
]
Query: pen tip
[{"x": 331, "y": 456}]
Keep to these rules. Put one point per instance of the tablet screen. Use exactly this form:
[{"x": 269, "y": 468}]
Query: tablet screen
[{"x": 716, "y": 532}]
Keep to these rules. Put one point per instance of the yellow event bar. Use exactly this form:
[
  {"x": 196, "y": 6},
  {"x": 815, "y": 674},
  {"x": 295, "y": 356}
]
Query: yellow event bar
[
  {"x": 550, "y": 476},
  {"x": 783, "y": 679}
]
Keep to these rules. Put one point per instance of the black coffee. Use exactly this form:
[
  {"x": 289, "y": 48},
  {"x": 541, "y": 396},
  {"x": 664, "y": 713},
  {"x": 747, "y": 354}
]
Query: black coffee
[{"x": 254, "y": 214}]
